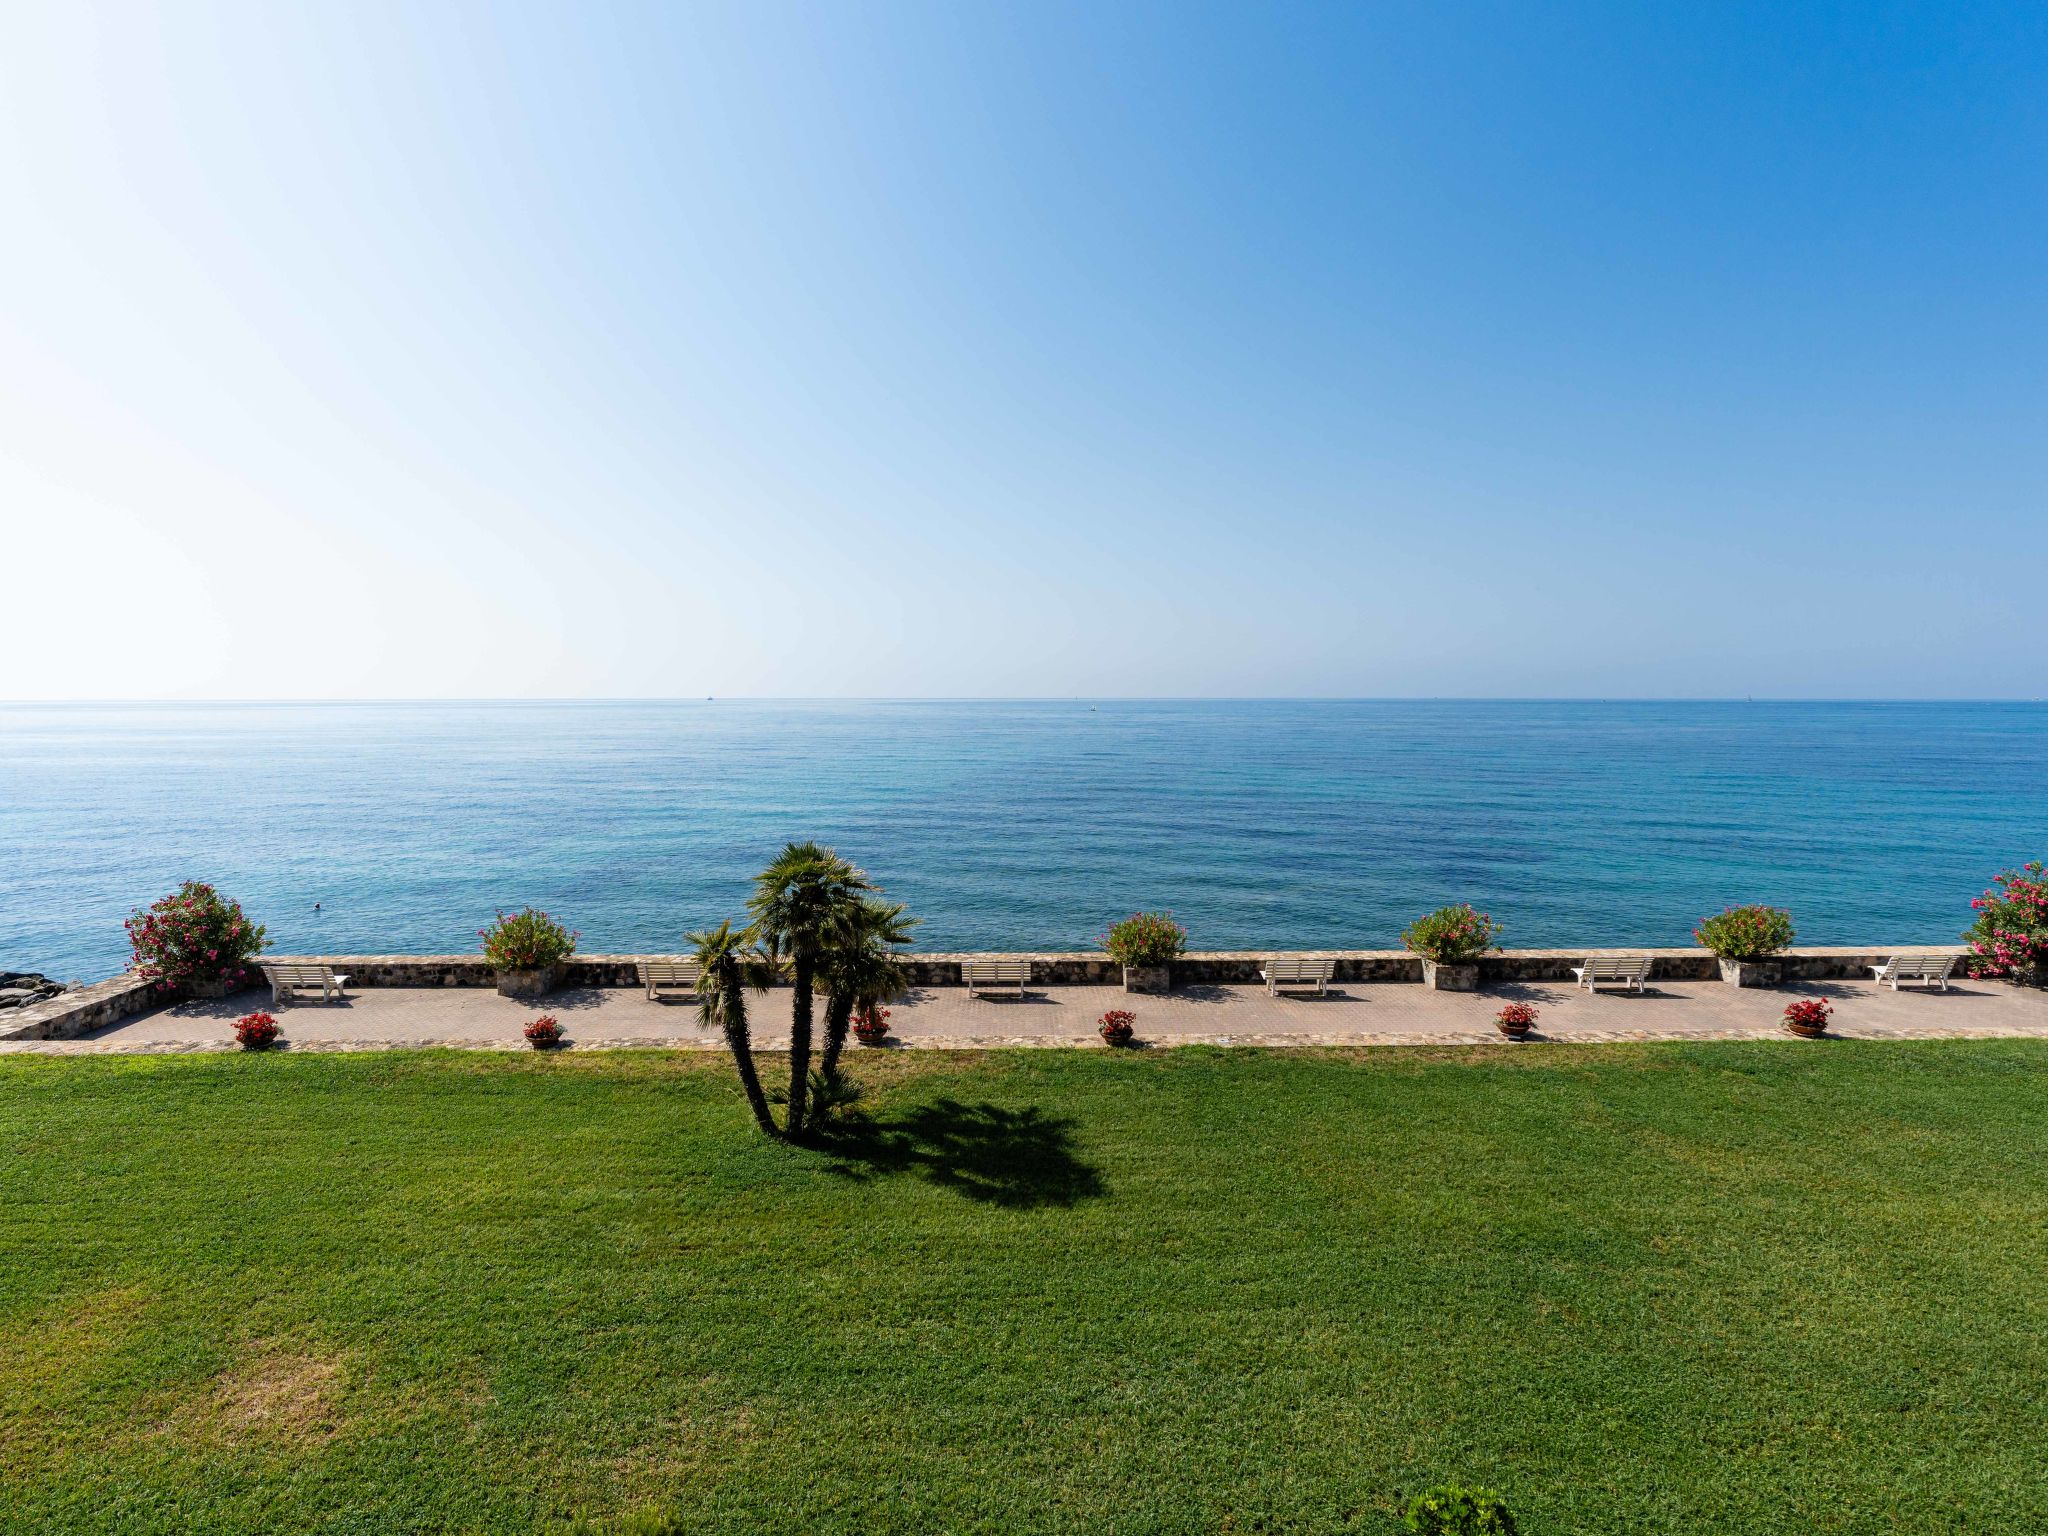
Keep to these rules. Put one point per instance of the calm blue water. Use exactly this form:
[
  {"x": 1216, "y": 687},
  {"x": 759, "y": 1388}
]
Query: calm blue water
[{"x": 1014, "y": 825}]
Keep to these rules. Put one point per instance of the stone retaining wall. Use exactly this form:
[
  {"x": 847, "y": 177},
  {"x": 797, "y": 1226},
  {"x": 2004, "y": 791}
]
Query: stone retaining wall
[
  {"x": 108, "y": 1002},
  {"x": 72, "y": 1014},
  {"x": 1208, "y": 968}
]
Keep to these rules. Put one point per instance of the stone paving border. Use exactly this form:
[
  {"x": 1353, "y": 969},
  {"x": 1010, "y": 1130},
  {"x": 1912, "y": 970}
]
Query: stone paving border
[{"x": 776, "y": 1045}]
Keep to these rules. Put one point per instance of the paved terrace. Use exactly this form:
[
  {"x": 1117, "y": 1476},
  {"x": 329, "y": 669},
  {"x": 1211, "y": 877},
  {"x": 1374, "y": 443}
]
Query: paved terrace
[{"x": 1353, "y": 1013}]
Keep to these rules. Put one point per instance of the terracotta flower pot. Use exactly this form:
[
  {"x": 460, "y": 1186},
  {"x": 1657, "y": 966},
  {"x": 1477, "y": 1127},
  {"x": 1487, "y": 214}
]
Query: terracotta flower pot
[
  {"x": 1513, "y": 1031},
  {"x": 1806, "y": 1031}
]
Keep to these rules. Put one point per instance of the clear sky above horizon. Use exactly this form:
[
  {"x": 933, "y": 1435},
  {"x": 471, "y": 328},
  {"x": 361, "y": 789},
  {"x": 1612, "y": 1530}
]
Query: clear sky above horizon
[{"x": 356, "y": 350}]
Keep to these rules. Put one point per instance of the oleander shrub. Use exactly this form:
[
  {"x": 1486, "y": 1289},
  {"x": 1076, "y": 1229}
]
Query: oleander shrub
[
  {"x": 194, "y": 937},
  {"x": 256, "y": 1031},
  {"x": 1746, "y": 933},
  {"x": 1452, "y": 935},
  {"x": 1452, "y": 1510},
  {"x": 2010, "y": 936},
  {"x": 1145, "y": 939},
  {"x": 527, "y": 940}
]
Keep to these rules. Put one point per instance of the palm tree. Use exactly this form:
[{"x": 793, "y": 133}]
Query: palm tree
[
  {"x": 796, "y": 902},
  {"x": 732, "y": 963},
  {"x": 861, "y": 967}
]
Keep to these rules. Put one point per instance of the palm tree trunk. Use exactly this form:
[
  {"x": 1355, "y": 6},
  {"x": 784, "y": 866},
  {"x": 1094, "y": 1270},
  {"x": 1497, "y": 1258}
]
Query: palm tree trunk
[
  {"x": 838, "y": 1020},
  {"x": 740, "y": 1041},
  {"x": 799, "y": 1046}
]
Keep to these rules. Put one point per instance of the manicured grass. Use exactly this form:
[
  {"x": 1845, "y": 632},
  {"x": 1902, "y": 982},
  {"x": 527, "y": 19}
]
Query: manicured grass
[{"x": 1731, "y": 1287}]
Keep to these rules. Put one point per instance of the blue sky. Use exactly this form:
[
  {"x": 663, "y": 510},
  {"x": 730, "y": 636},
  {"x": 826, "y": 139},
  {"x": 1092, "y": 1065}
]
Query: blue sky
[{"x": 392, "y": 351}]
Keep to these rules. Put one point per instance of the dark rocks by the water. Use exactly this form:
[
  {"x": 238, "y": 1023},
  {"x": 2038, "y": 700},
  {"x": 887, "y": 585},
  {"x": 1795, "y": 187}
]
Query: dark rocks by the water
[{"x": 20, "y": 988}]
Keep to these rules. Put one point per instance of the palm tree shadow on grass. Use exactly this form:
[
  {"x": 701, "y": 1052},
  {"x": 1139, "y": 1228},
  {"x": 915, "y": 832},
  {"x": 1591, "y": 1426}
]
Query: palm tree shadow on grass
[{"x": 1020, "y": 1159}]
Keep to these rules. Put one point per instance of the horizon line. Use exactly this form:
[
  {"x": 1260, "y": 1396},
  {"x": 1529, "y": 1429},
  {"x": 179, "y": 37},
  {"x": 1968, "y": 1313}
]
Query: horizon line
[{"x": 1034, "y": 698}]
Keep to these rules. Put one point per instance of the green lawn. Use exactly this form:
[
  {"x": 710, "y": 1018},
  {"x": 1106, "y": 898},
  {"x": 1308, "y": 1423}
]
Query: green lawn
[{"x": 1682, "y": 1288}]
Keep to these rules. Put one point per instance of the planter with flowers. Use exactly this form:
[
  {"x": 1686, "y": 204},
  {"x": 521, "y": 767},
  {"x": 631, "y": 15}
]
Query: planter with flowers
[
  {"x": 544, "y": 1033},
  {"x": 1516, "y": 1019},
  {"x": 871, "y": 1025},
  {"x": 1746, "y": 941},
  {"x": 195, "y": 942},
  {"x": 256, "y": 1031},
  {"x": 529, "y": 951},
  {"x": 1808, "y": 1018},
  {"x": 1146, "y": 944},
  {"x": 1117, "y": 1026},
  {"x": 1450, "y": 941},
  {"x": 2010, "y": 936}
]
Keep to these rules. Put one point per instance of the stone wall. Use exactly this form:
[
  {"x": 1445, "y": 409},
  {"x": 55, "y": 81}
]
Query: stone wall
[
  {"x": 72, "y": 1014},
  {"x": 108, "y": 1002},
  {"x": 1207, "y": 968}
]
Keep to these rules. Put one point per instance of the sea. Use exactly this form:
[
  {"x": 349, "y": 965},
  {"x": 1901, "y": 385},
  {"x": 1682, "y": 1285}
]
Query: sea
[{"x": 401, "y": 828}]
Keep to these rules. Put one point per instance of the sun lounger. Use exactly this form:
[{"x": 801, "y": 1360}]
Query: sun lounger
[
  {"x": 995, "y": 976},
  {"x": 1929, "y": 970},
  {"x": 285, "y": 979},
  {"x": 1287, "y": 973},
  {"x": 679, "y": 975},
  {"x": 1630, "y": 971}
]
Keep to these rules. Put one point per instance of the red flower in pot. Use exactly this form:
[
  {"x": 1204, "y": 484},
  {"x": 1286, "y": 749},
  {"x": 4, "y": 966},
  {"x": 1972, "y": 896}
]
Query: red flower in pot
[
  {"x": 256, "y": 1031},
  {"x": 1516, "y": 1019},
  {"x": 1808, "y": 1017},
  {"x": 1117, "y": 1026},
  {"x": 871, "y": 1025},
  {"x": 544, "y": 1033}
]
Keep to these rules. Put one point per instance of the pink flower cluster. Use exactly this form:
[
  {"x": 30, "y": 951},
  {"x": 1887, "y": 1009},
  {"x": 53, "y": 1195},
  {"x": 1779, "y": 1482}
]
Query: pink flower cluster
[
  {"x": 193, "y": 937},
  {"x": 529, "y": 940},
  {"x": 2010, "y": 936},
  {"x": 1451, "y": 934}
]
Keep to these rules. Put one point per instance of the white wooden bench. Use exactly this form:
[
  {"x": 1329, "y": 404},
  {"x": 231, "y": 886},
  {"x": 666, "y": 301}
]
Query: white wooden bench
[
  {"x": 1630, "y": 971},
  {"x": 1928, "y": 969},
  {"x": 681, "y": 975},
  {"x": 995, "y": 976},
  {"x": 286, "y": 978},
  {"x": 1290, "y": 973}
]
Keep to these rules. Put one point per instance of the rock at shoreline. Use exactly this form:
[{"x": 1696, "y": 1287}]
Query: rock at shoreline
[{"x": 20, "y": 988}]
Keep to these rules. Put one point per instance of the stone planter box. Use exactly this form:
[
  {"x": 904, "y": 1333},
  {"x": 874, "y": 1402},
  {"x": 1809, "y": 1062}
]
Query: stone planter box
[
  {"x": 528, "y": 984},
  {"x": 1148, "y": 978},
  {"x": 1752, "y": 973},
  {"x": 1448, "y": 976},
  {"x": 211, "y": 989}
]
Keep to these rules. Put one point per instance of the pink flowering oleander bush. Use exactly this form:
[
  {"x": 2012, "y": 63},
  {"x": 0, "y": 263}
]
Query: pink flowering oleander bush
[
  {"x": 529, "y": 940},
  {"x": 1145, "y": 939},
  {"x": 2010, "y": 936},
  {"x": 194, "y": 937},
  {"x": 1452, "y": 935},
  {"x": 1746, "y": 933}
]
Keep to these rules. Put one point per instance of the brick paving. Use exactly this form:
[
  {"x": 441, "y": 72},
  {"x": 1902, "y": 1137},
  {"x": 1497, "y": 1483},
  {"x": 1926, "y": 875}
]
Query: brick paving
[{"x": 1374, "y": 1013}]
